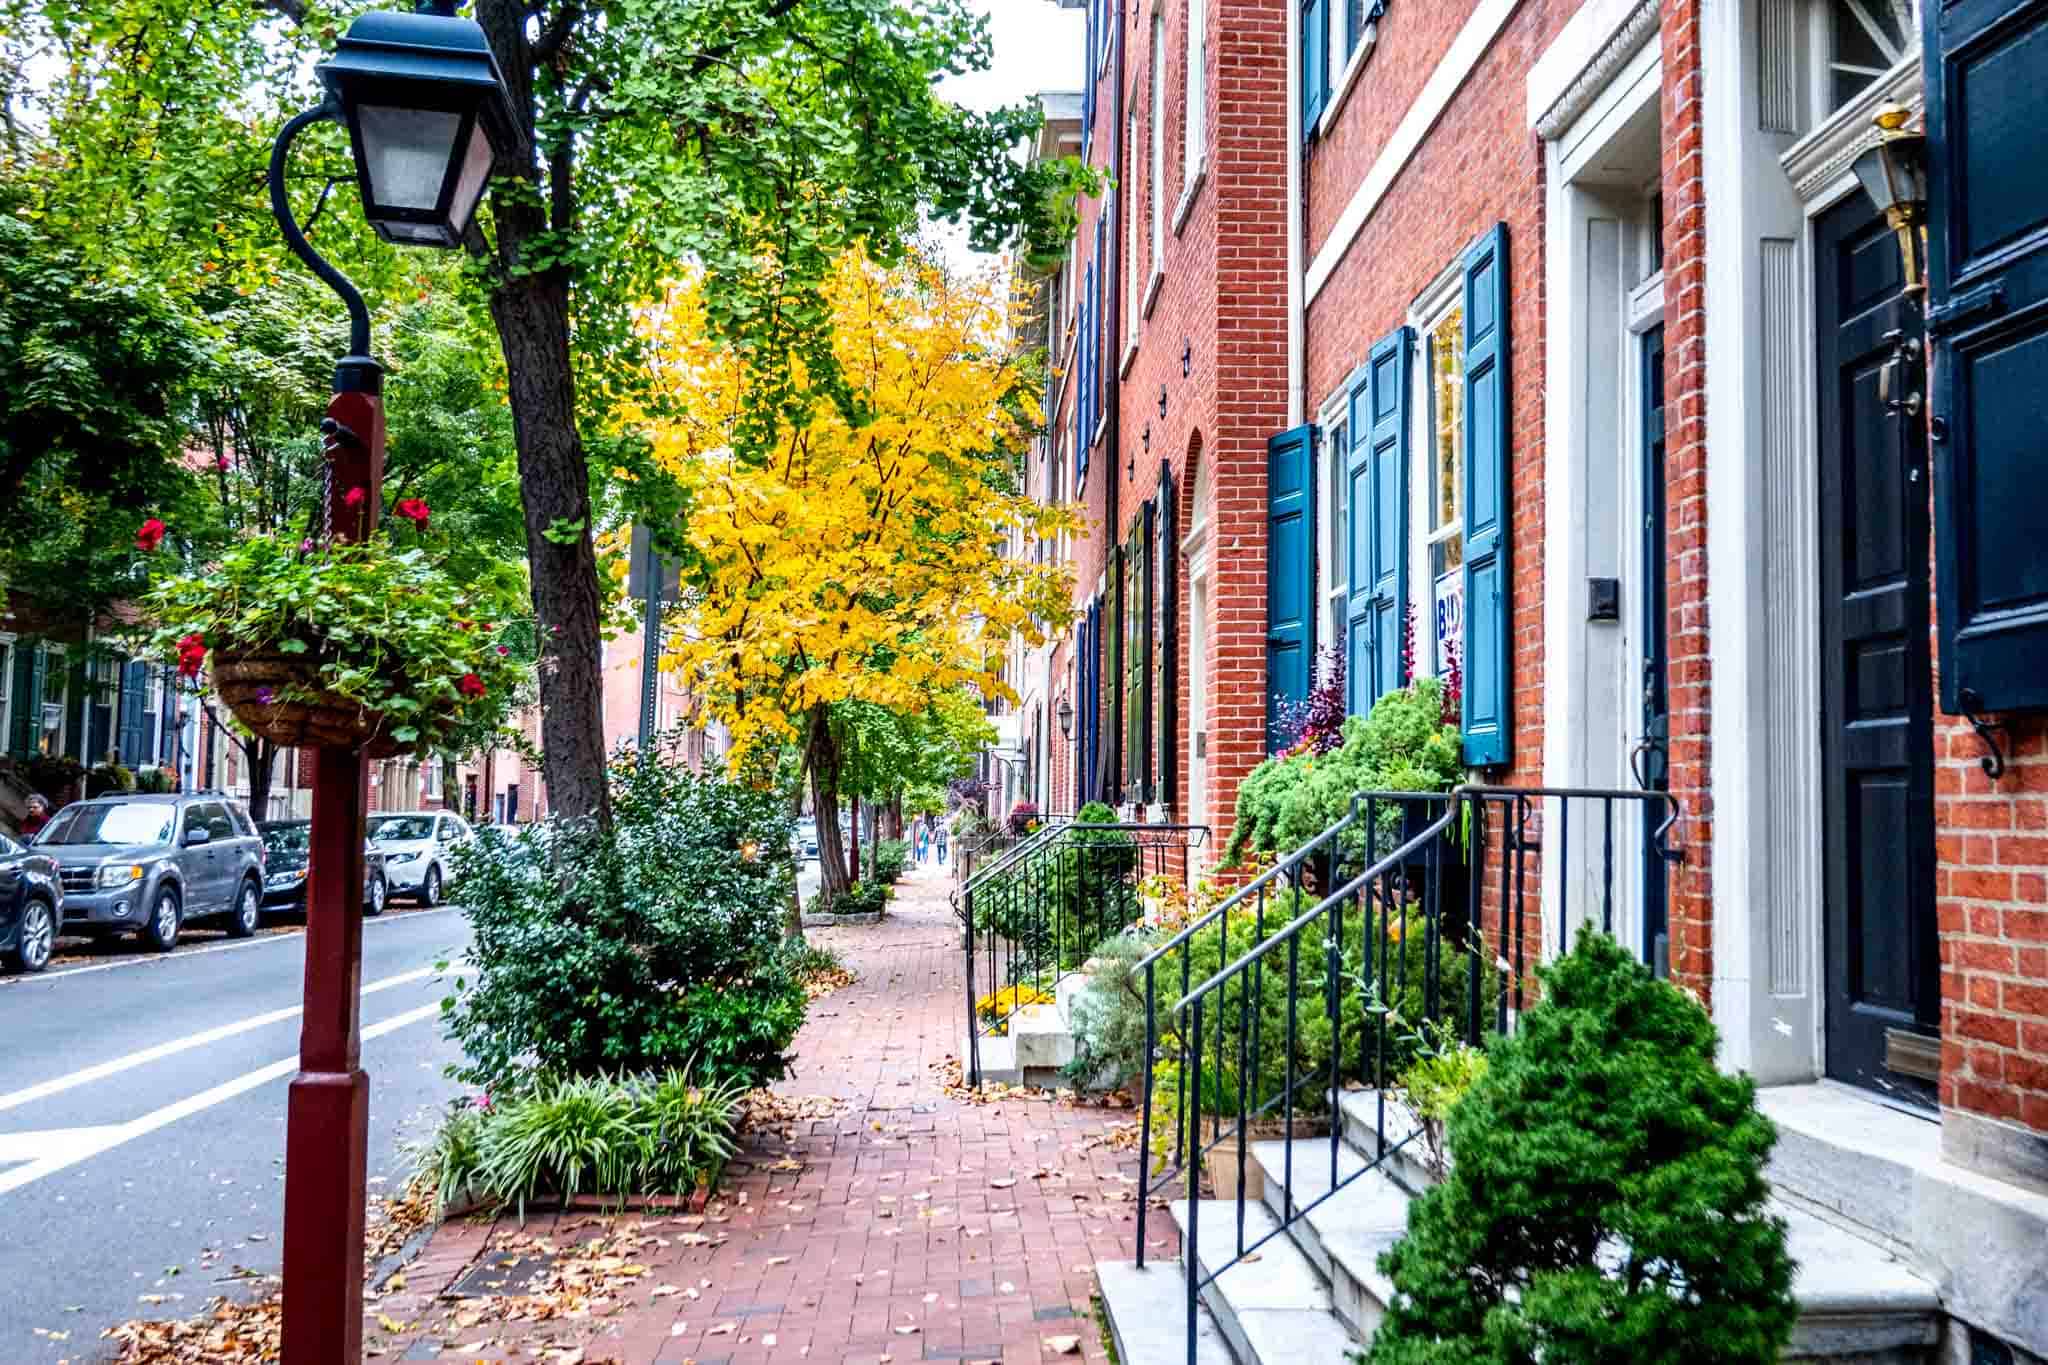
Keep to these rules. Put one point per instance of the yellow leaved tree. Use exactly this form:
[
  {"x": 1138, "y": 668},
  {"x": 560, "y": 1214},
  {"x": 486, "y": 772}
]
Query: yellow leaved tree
[{"x": 883, "y": 552}]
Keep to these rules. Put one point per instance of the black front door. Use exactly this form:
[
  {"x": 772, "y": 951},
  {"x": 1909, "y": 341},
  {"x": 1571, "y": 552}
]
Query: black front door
[
  {"x": 1877, "y": 746},
  {"x": 1652, "y": 769}
]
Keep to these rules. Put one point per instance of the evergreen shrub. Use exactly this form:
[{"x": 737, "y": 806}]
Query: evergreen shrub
[
  {"x": 654, "y": 943},
  {"x": 1605, "y": 1203}
]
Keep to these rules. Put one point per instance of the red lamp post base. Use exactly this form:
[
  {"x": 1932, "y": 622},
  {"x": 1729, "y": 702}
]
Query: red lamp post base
[{"x": 326, "y": 1149}]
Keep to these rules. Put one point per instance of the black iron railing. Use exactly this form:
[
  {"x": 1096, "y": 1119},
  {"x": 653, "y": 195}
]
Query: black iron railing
[
  {"x": 1409, "y": 926},
  {"x": 1038, "y": 911}
]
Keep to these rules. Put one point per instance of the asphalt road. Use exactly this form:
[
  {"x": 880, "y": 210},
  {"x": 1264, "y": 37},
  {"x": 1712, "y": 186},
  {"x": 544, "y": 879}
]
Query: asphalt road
[{"x": 142, "y": 1108}]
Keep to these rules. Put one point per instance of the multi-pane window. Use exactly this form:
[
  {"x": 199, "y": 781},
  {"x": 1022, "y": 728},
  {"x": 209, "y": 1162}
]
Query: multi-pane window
[
  {"x": 1130, "y": 261},
  {"x": 52, "y": 724},
  {"x": 1333, "y": 495},
  {"x": 1866, "y": 38},
  {"x": 6, "y": 690},
  {"x": 1444, "y": 365},
  {"x": 1195, "y": 117}
]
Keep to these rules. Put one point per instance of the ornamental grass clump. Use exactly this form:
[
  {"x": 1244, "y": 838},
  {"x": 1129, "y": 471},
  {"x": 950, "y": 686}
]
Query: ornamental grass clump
[{"x": 1606, "y": 1200}]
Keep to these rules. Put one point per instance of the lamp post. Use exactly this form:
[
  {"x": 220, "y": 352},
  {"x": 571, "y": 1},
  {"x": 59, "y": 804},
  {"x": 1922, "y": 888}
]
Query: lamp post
[
  {"x": 427, "y": 116},
  {"x": 1893, "y": 172}
]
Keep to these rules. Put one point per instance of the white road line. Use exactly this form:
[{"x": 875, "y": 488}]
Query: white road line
[
  {"x": 159, "y": 959},
  {"x": 58, "y": 1085},
  {"x": 105, "y": 1139}
]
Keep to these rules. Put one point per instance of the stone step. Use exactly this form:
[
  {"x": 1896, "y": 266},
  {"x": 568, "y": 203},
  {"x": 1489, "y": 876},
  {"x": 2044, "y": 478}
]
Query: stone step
[
  {"x": 1857, "y": 1302},
  {"x": 1147, "y": 1312},
  {"x": 1271, "y": 1306},
  {"x": 1407, "y": 1156}
]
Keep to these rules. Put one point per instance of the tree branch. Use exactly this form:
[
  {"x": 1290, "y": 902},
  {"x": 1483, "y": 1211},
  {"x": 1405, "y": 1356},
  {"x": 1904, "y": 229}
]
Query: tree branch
[{"x": 295, "y": 10}]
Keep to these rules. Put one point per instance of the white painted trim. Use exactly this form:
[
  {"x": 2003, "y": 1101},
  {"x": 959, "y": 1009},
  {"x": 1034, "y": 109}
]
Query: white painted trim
[
  {"x": 1609, "y": 110},
  {"x": 1367, "y": 41},
  {"x": 1582, "y": 57},
  {"x": 1123, "y": 368},
  {"x": 7, "y": 638},
  {"x": 1188, "y": 195},
  {"x": 1485, "y": 23},
  {"x": 1152, "y": 288},
  {"x": 1831, "y": 149}
]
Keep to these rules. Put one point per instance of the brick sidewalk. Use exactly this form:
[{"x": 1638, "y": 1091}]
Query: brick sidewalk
[{"x": 914, "y": 1226}]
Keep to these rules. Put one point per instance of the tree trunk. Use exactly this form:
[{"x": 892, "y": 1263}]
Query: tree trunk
[
  {"x": 853, "y": 843},
  {"x": 261, "y": 756},
  {"x": 896, "y": 816},
  {"x": 531, "y": 311},
  {"x": 822, "y": 757}
]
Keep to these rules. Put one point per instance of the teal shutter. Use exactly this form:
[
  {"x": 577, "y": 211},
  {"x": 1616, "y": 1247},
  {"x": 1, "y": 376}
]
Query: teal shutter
[
  {"x": 1487, "y": 702},
  {"x": 28, "y": 695},
  {"x": 134, "y": 713},
  {"x": 1166, "y": 744},
  {"x": 1987, "y": 328},
  {"x": 1376, "y": 563},
  {"x": 1290, "y": 573},
  {"x": 1315, "y": 84}
]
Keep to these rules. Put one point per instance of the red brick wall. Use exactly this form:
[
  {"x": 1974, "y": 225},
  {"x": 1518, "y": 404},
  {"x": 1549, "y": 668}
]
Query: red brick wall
[
  {"x": 1991, "y": 899},
  {"x": 1222, "y": 302},
  {"x": 1691, "y": 679}
]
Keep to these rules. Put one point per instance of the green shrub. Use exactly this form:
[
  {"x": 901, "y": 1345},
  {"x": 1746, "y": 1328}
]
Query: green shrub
[
  {"x": 1082, "y": 890},
  {"x": 891, "y": 857},
  {"x": 1108, "y": 1020},
  {"x": 50, "y": 774},
  {"x": 861, "y": 898},
  {"x": 451, "y": 1161},
  {"x": 634, "y": 948},
  {"x": 1401, "y": 746},
  {"x": 154, "y": 780},
  {"x": 106, "y": 778},
  {"x": 1606, "y": 1202},
  {"x": 1401, "y": 959}
]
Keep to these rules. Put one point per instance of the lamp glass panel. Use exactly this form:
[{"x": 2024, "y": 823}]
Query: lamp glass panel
[
  {"x": 1871, "y": 175},
  {"x": 470, "y": 177},
  {"x": 406, "y": 154},
  {"x": 415, "y": 234}
]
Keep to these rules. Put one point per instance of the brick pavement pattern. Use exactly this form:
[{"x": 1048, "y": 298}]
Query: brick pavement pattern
[{"x": 917, "y": 1225}]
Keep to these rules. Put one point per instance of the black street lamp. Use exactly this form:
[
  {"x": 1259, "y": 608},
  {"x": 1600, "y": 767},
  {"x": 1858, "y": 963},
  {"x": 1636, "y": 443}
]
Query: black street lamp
[
  {"x": 428, "y": 117},
  {"x": 1066, "y": 715}
]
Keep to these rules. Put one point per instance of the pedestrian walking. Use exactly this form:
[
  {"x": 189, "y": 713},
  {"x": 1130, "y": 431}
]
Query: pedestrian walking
[
  {"x": 924, "y": 843},
  {"x": 941, "y": 839}
]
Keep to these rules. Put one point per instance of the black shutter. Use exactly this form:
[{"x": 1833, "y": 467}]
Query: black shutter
[
  {"x": 1987, "y": 319},
  {"x": 1169, "y": 637}
]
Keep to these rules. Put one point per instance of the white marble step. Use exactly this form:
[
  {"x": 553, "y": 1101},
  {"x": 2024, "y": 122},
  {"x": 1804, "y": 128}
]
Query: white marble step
[
  {"x": 1147, "y": 1312},
  {"x": 1271, "y": 1306},
  {"x": 1342, "y": 1234}
]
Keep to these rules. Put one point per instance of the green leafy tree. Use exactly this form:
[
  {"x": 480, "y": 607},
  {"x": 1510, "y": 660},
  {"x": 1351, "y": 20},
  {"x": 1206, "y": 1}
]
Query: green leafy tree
[
  {"x": 757, "y": 138},
  {"x": 1606, "y": 1202}
]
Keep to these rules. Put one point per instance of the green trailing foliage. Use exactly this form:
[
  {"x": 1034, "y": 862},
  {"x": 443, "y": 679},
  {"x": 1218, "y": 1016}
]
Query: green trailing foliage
[
  {"x": 861, "y": 898},
  {"x": 1606, "y": 1202},
  {"x": 654, "y": 942},
  {"x": 1403, "y": 745},
  {"x": 891, "y": 857}
]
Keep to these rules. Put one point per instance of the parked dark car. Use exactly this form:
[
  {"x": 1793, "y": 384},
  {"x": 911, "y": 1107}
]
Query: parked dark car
[
  {"x": 31, "y": 904},
  {"x": 288, "y": 843},
  {"x": 149, "y": 864}
]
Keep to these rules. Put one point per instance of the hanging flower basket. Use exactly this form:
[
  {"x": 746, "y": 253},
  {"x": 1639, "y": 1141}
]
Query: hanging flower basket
[
  {"x": 279, "y": 697},
  {"x": 372, "y": 645}
]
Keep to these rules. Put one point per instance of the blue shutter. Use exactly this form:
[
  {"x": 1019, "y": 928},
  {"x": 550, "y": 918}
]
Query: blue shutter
[
  {"x": 1168, "y": 709},
  {"x": 134, "y": 713},
  {"x": 1290, "y": 573},
  {"x": 1987, "y": 322},
  {"x": 1376, "y": 560},
  {"x": 1488, "y": 718},
  {"x": 1315, "y": 82},
  {"x": 28, "y": 699}
]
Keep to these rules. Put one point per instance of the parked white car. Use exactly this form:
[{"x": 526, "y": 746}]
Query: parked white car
[{"x": 418, "y": 848}]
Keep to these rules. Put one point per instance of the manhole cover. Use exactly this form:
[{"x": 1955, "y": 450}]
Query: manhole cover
[{"x": 501, "y": 1274}]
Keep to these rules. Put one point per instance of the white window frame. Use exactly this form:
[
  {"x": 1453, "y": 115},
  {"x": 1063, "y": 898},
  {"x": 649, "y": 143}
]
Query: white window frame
[
  {"x": 56, "y": 664},
  {"x": 1157, "y": 176},
  {"x": 1430, "y": 310},
  {"x": 1195, "y": 109},
  {"x": 1128, "y": 206},
  {"x": 1332, "y": 577},
  {"x": 7, "y": 661},
  {"x": 1820, "y": 70}
]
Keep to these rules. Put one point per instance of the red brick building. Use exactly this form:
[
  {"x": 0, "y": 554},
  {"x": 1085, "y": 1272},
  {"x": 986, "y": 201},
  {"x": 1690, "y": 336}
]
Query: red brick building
[{"x": 1572, "y": 333}]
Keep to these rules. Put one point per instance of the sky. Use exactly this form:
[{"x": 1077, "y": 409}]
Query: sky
[{"x": 1037, "y": 47}]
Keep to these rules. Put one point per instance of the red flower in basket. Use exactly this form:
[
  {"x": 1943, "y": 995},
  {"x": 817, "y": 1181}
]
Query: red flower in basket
[
  {"x": 191, "y": 655},
  {"x": 354, "y": 496},
  {"x": 470, "y": 685},
  {"x": 150, "y": 536},
  {"x": 414, "y": 510}
]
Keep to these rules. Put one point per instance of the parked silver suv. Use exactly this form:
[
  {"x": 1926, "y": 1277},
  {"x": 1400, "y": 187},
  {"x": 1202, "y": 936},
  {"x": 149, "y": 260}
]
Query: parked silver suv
[{"x": 150, "y": 864}]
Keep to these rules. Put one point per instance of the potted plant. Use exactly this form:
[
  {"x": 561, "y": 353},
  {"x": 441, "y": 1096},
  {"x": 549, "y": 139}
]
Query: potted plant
[{"x": 373, "y": 644}]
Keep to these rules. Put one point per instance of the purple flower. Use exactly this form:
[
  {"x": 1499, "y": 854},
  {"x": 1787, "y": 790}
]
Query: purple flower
[
  {"x": 263, "y": 696},
  {"x": 306, "y": 545}
]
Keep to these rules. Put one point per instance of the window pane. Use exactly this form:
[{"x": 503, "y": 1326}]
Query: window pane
[
  {"x": 1868, "y": 38},
  {"x": 1447, "y": 460},
  {"x": 1340, "y": 500}
]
